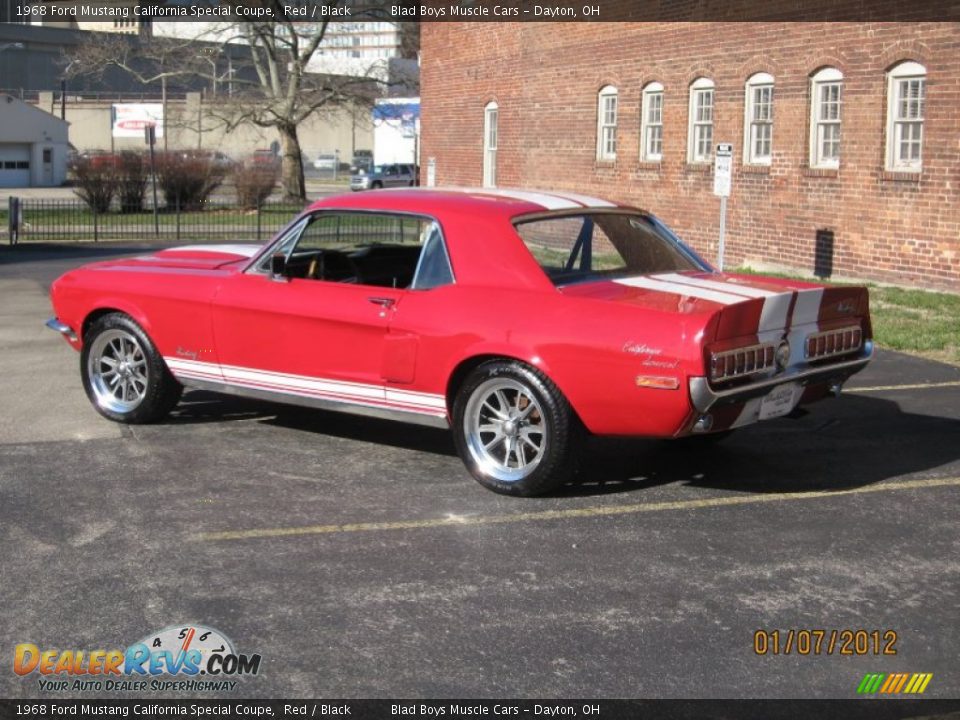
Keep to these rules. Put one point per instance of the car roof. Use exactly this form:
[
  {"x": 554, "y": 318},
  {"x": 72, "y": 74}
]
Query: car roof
[{"x": 505, "y": 202}]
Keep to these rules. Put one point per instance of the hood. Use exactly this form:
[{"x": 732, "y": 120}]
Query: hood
[
  {"x": 192, "y": 257},
  {"x": 742, "y": 305}
]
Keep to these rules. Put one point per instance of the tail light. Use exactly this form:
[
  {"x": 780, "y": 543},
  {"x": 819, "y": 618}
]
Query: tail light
[
  {"x": 743, "y": 361},
  {"x": 833, "y": 342}
]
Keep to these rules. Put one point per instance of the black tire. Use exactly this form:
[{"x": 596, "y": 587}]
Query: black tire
[
  {"x": 161, "y": 392},
  {"x": 375, "y": 185},
  {"x": 548, "y": 414}
]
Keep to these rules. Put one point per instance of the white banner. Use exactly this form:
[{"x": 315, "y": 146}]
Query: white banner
[{"x": 130, "y": 120}]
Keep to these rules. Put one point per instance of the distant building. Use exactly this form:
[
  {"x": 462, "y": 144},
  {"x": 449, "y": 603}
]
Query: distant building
[
  {"x": 845, "y": 135},
  {"x": 33, "y": 146}
]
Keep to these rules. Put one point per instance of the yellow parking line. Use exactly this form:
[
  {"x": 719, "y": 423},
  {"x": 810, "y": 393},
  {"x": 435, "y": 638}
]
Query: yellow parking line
[
  {"x": 587, "y": 512},
  {"x": 917, "y": 386}
]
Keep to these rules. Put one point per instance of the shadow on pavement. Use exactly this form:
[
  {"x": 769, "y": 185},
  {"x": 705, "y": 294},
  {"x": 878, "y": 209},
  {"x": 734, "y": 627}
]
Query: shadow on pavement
[{"x": 840, "y": 444}]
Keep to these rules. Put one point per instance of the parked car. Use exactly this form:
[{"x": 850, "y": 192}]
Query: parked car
[
  {"x": 521, "y": 320},
  {"x": 216, "y": 158},
  {"x": 265, "y": 157},
  {"x": 362, "y": 160},
  {"x": 382, "y": 176},
  {"x": 96, "y": 158}
]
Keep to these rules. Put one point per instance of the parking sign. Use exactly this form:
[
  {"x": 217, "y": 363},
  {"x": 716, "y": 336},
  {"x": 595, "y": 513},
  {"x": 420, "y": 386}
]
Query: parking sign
[{"x": 722, "y": 169}]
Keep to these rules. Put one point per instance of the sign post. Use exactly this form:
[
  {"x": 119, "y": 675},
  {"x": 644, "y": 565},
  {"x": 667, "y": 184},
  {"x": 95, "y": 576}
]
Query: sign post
[
  {"x": 150, "y": 136},
  {"x": 722, "y": 172}
]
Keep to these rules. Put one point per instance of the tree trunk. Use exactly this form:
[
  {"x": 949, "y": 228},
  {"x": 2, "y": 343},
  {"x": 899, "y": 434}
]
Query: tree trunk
[{"x": 291, "y": 169}]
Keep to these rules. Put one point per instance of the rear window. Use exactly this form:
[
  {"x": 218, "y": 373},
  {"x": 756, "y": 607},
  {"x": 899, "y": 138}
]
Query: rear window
[{"x": 591, "y": 246}]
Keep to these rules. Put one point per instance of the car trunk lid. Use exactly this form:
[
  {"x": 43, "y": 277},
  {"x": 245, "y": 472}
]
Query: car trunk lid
[{"x": 743, "y": 307}]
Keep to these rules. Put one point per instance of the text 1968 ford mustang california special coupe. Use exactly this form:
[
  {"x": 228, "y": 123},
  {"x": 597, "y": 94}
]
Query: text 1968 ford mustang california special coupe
[{"x": 522, "y": 320}]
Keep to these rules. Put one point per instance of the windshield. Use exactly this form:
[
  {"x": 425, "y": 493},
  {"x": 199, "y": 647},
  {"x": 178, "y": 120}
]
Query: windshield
[{"x": 592, "y": 246}]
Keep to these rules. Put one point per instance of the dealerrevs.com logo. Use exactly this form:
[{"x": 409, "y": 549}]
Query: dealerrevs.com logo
[{"x": 189, "y": 658}]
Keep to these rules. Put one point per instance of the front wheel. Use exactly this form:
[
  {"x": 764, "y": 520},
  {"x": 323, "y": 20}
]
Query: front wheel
[
  {"x": 376, "y": 185},
  {"x": 123, "y": 374},
  {"x": 514, "y": 429}
]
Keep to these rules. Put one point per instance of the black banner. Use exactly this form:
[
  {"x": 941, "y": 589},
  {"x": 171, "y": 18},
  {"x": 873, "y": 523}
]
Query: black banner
[
  {"x": 491, "y": 10},
  {"x": 492, "y": 709}
]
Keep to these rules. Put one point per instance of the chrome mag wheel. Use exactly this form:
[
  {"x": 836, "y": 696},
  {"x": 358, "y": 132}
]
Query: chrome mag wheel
[
  {"x": 118, "y": 371},
  {"x": 505, "y": 429}
]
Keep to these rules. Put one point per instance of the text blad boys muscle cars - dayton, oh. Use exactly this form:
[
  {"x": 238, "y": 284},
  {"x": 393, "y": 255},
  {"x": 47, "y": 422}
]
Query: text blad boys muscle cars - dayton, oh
[{"x": 522, "y": 320}]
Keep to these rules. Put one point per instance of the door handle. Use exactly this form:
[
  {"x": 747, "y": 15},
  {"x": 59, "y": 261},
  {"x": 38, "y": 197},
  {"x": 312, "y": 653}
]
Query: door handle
[{"x": 383, "y": 302}]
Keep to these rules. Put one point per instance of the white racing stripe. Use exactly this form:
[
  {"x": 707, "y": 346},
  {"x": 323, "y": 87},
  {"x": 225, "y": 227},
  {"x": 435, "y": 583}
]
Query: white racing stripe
[
  {"x": 547, "y": 199},
  {"x": 548, "y": 202},
  {"x": 192, "y": 367},
  {"x": 805, "y": 313},
  {"x": 361, "y": 393},
  {"x": 244, "y": 250},
  {"x": 651, "y": 283},
  {"x": 728, "y": 287},
  {"x": 586, "y": 200},
  {"x": 773, "y": 317}
]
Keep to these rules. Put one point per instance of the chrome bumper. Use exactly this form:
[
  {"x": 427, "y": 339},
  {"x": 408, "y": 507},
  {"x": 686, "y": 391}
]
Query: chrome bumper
[
  {"x": 705, "y": 397},
  {"x": 65, "y": 330}
]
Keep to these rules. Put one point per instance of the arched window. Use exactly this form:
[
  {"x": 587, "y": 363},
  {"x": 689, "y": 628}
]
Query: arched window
[
  {"x": 651, "y": 123},
  {"x": 906, "y": 97},
  {"x": 491, "y": 116},
  {"x": 826, "y": 99},
  {"x": 607, "y": 124},
  {"x": 758, "y": 121},
  {"x": 700, "y": 130}
]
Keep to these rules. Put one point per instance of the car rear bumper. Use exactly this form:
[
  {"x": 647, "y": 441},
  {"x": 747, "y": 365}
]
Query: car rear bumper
[{"x": 704, "y": 398}]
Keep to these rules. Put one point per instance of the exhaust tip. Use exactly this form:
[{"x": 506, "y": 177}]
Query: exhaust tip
[{"x": 703, "y": 424}]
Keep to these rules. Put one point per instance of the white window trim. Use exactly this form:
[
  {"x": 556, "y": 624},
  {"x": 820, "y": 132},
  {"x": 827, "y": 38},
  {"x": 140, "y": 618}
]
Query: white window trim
[
  {"x": 603, "y": 154},
  {"x": 906, "y": 70},
  {"x": 826, "y": 76},
  {"x": 649, "y": 91},
  {"x": 753, "y": 82},
  {"x": 490, "y": 152},
  {"x": 699, "y": 84}
]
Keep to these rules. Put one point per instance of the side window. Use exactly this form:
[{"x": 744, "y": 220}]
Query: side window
[
  {"x": 434, "y": 267},
  {"x": 377, "y": 249}
]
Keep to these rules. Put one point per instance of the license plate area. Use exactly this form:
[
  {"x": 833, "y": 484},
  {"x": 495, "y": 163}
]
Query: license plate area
[{"x": 780, "y": 401}]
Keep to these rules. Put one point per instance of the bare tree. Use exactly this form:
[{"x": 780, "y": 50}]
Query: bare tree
[{"x": 271, "y": 84}]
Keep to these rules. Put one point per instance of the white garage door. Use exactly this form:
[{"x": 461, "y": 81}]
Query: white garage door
[{"x": 14, "y": 165}]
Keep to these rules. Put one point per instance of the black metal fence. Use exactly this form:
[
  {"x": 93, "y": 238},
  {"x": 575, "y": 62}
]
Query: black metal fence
[{"x": 30, "y": 220}]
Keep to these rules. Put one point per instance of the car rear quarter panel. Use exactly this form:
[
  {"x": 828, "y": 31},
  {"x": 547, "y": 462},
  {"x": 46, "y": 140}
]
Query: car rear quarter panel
[{"x": 593, "y": 351}]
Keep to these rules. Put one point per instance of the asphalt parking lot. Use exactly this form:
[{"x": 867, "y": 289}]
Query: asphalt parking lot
[{"x": 360, "y": 560}]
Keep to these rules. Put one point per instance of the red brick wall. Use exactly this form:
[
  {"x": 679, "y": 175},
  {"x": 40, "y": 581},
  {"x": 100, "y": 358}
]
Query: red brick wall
[{"x": 545, "y": 78}]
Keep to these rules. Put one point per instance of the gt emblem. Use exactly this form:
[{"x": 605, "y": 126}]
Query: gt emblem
[
  {"x": 845, "y": 307},
  {"x": 782, "y": 356}
]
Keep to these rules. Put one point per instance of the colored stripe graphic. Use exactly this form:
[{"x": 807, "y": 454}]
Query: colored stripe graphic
[{"x": 894, "y": 683}]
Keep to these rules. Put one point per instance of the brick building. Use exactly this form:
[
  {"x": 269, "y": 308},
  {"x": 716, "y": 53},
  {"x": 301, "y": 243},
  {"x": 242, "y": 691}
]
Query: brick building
[{"x": 846, "y": 133}]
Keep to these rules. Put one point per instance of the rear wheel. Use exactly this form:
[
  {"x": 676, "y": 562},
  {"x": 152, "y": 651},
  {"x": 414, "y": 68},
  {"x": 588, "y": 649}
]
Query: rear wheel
[
  {"x": 514, "y": 430},
  {"x": 123, "y": 374}
]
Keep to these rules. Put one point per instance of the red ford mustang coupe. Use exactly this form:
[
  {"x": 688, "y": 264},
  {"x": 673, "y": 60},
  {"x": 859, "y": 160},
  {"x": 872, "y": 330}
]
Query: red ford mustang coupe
[{"x": 522, "y": 320}]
